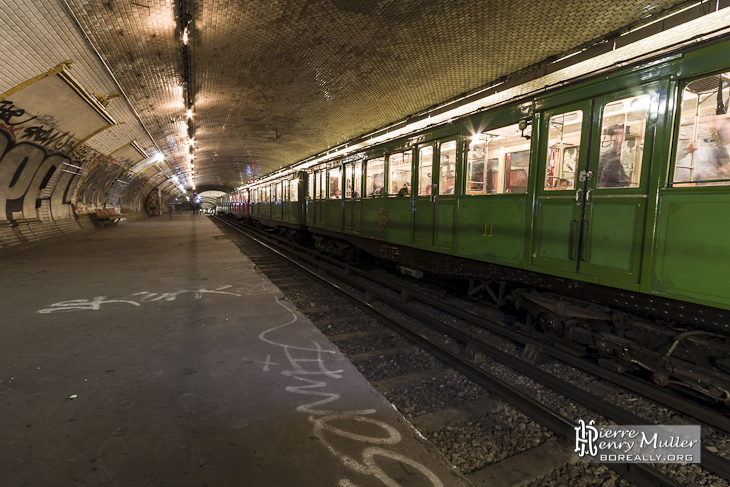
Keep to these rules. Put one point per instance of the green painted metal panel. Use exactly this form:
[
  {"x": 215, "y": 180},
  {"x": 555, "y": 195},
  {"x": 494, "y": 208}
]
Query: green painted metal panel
[
  {"x": 556, "y": 227},
  {"x": 310, "y": 212},
  {"x": 399, "y": 220},
  {"x": 371, "y": 217},
  {"x": 352, "y": 212},
  {"x": 333, "y": 214},
  {"x": 423, "y": 222},
  {"x": 614, "y": 238},
  {"x": 444, "y": 222},
  {"x": 693, "y": 250},
  {"x": 492, "y": 228}
]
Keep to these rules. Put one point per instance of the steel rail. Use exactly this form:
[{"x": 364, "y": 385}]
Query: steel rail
[
  {"x": 640, "y": 474},
  {"x": 711, "y": 461}
]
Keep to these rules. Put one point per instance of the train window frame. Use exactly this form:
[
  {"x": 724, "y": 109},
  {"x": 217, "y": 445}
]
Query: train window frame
[
  {"x": 710, "y": 145},
  {"x": 357, "y": 179},
  {"x": 622, "y": 147},
  {"x": 448, "y": 186},
  {"x": 321, "y": 177},
  {"x": 347, "y": 180},
  {"x": 336, "y": 174},
  {"x": 428, "y": 181},
  {"x": 370, "y": 180},
  {"x": 499, "y": 164},
  {"x": 310, "y": 186},
  {"x": 397, "y": 161},
  {"x": 567, "y": 154},
  {"x": 294, "y": 190}
]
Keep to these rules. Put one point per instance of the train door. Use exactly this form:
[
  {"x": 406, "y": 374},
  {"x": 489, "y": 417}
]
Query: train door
[
  {"x": 347, "y": 223},
  {"x": 435, "y": 200},
  {"x": 445, "y": 204},
  {"x": 309, "y": 207},
  {"x": 425, "y": 206},
  {"x": 592, "y": 197},
  {"x": 286, "y": 209},
  {"x": 351, "y": 200},
  {"x": 279, "y": 205},
  {"x": 321, "y": 194}
]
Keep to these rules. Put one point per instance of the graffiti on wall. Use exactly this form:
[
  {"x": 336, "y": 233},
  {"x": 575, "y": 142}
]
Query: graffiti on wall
[
  {"x": 102, "y": 187},
  {"x": 42, "y": 127}
]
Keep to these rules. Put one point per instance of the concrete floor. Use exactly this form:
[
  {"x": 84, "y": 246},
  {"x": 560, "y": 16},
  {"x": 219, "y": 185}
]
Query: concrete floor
[{"x": 153, "y": 353}]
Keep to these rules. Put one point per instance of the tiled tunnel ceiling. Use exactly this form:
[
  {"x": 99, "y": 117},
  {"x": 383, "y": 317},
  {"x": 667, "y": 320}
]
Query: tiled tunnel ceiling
[{"x": 276, "y": 81}]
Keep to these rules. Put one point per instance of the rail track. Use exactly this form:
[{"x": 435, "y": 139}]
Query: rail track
[{"x": 473, "y": 359}]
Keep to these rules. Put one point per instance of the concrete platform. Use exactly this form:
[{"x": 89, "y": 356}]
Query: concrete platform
[{"x": 153, "y": 353}]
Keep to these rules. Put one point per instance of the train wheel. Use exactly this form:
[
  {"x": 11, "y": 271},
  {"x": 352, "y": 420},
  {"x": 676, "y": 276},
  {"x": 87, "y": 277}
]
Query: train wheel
[{"x": 661, "y": 379}]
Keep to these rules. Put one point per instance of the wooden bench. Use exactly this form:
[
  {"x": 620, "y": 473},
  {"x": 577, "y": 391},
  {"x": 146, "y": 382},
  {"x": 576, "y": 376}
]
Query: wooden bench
[{"x": 108, "y": 216}]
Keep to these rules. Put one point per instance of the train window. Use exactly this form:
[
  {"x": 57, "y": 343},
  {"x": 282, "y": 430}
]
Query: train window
[
  {"x": 622, "y": 142},
  {"x": 348, "y": 181},
  {"x": 704, "y": 133},
  {"x": 279, "y": 192},
  {"x": 400, "y": 173},
  {"x": 321, "y": 183},
  {"x": 498, "y": 161},
  {"x": 357, "y": 179},
  {"x": 375, "y": 176},
  {"x": 562, "y": 155},
  {"x": 285, "y": 191},
  {"x": 447, "y": 174},
  {"x": 294, "y": 190},
  {"x": 425, "y": 170},
  {"x": 310, "y": 185},
  {"x": 334, "y": 189}
]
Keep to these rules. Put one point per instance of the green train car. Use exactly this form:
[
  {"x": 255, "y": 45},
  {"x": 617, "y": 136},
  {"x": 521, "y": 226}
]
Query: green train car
[{"x": 613, "y": 190}]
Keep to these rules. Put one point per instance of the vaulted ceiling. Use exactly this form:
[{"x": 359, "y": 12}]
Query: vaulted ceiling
[{"x": 271, "y": 82}]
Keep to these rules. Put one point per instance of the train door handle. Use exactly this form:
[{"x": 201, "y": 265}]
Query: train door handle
[
  {"x": 589, "y": 197},
  {"x": 571, "y": 240},
  {"x": 579, "y": 196}
]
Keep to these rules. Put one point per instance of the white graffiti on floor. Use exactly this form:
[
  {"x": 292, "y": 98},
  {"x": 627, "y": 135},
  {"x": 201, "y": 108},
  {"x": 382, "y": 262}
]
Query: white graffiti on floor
[
  {"x": 134, "y": 299},
  {"x": 308, "y": 366}
]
